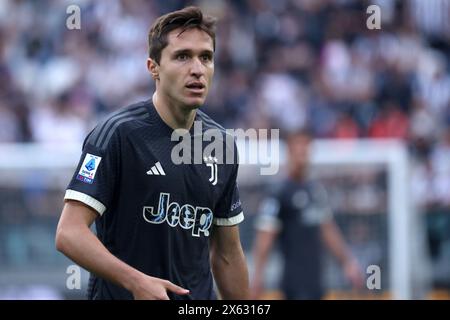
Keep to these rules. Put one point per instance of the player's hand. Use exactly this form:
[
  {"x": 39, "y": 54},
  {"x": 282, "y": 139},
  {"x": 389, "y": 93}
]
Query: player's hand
[
  {"x": 353, "y": 273},
  {"x": 151, "y": 288},
  {"x": 256, "y": 289}
]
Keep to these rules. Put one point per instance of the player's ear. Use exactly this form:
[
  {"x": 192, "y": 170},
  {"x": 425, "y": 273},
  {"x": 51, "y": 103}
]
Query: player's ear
[{"x": 153, "y": 67}]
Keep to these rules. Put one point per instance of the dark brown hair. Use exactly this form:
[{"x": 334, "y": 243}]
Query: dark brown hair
[{"x": 187, "y": 18}]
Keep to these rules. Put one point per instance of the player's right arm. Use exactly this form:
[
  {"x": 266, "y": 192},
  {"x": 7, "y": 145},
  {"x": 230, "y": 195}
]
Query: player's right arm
[
  {"x": 75, "y": 239},
  {"x": 90, "y": 195}
]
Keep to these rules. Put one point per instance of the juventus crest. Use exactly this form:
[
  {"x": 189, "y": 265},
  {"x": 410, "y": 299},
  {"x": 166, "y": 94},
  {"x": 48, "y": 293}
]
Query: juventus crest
[{"x": 212, "y": 163}]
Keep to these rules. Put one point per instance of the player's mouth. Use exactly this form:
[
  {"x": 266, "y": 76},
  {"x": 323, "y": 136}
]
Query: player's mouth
[{"x": 196, "y": 87}]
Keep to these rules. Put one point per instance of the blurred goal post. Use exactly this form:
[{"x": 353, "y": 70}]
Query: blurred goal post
[
  {"x": 393, "y": 154},
  {"x": 401, "y": 214}
]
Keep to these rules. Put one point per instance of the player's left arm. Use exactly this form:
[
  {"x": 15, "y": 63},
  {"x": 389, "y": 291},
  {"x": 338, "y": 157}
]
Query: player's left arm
[
  {"x": 228, "y": 263},
  {"x": 333, "y": 238},
  {"x": 335, "y": 243}
]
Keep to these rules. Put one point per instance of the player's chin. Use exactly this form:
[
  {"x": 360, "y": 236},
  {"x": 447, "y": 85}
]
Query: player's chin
[{"x": 194, "y": 102}]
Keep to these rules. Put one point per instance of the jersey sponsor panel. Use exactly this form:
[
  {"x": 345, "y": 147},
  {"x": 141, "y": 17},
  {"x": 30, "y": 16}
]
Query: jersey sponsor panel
[{"x": 186, "y": 216}]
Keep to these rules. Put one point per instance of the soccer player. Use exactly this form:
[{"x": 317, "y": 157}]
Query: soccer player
[
  {"x": 297, "y": 212},
  {"x": 164, "y": 230}
]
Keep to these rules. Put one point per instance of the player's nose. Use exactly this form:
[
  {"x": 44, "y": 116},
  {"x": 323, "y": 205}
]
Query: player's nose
[{"x": 197, "y": 68}]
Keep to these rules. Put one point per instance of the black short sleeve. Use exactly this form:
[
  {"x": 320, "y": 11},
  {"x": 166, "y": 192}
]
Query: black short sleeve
[
  {"x": 95, "y": 178},
  {"x": 228, "y": 211}
]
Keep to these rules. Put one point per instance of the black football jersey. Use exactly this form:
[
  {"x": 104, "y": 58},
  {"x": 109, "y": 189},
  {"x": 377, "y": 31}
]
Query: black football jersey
[
  {"x": 154, "y": 214},
  {"x": 297, "y": 209}
]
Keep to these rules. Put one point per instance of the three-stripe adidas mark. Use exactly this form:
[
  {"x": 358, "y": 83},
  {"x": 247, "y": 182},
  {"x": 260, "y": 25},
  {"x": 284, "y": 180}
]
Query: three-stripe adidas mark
[{"x": 156, "y": 170}]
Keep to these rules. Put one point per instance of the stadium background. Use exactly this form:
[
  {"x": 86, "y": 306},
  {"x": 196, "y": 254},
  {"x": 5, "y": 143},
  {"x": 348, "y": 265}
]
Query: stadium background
[{"x": 279, "y": 64}]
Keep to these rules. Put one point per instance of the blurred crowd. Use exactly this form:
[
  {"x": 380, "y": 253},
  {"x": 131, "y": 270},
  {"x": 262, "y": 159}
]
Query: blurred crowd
[{"x": 279, "y": 64}]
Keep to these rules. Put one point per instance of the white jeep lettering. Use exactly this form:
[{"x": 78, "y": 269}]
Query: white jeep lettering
[{"x": 198, "y": 219}]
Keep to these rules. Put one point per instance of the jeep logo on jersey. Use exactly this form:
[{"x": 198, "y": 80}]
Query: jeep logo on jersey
[{"x": 187, "y": 217}]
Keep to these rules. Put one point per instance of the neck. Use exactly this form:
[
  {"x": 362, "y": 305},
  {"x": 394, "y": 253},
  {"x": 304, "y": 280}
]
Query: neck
[
  {"x": 173, "y": 115},
  {"x": 297, "y": 174}
]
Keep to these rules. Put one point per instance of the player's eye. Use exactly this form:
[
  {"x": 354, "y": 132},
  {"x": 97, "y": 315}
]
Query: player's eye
[
  {"x": 206, "y": 57},
  {"x": 182, "y": 57}
]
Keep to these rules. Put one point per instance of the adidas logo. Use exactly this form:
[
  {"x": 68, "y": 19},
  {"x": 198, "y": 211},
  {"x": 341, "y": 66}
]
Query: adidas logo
[{"x": 156, "y": 170}]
